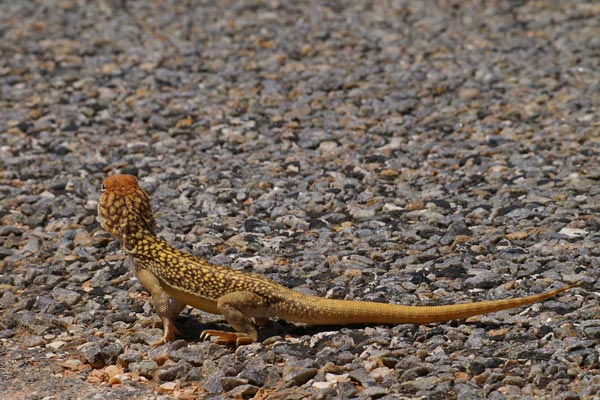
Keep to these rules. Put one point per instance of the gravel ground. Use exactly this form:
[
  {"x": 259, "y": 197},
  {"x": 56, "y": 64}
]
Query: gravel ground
[{"x": 405, "y": 152}]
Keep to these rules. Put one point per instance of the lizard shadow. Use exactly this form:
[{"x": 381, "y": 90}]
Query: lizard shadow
[{"x": 189, "y": 327}]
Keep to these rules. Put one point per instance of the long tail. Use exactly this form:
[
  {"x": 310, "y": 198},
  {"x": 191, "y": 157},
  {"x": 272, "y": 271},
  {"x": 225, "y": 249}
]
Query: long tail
[{"x": 319, "y": 311}]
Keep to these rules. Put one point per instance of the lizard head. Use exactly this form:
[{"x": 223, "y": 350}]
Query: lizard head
[{"x": 124, "y": 209}]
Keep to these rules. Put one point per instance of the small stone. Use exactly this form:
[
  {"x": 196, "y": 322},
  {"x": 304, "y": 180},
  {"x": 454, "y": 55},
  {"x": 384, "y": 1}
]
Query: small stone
[
  {"x": 497, "y": 334},
  {"x": 92, "y": 353},
  {"x": 145, "y": 368},
  {"x": 72, "y": 364},
  {"x": 158, "y": 122},
  {"x": 128, "y": 357},
  {"x": 380, "y": 373},
  {"x": 323, "y": 385},
  {"x": 413, "y": 373},
  {"x": 328, "y": 147},
  {"x": 294, "y": 223},
  {"x": 519, "y": 235},
  {"x": 7, "y": 299},
  {"x": 421, "y": 383},
  {"x": 33, "y": 244},
  {"x": 255, "y": 372},
  {"x": 415, "y": 205},
  {"x": 482, "y": 279},
  {"x": 181, "y": 370},
  {"x": 373, "y": 392},
  {"x": 166, "y": 387},
  {"x": 111, "y": 352},
  {"x": 347, "y": 390},
  {"x": 66, "y": 296},
  {"x": 574, "y": 233},
  {"x": 113, "y": 370},
  {"x": 245, "y": 391},
  {"x": 184, "y": 122},
  {"x": 468, "y": 93},
  {"x": 212, "y": 384},
  {"x": 7, "y": 230},
  {"x": 117, "y": 379},
  {"x": 83, "y": 238},
  {"x": 362, "y": 377},
  {"x": 300, "y": 376},
  {"x": 33, "y": 341},
  {"x": 230, "y": 382},
  {"x": 55, "y": 345},
  {"x": 196, "y": 354},
  {"x": 591, "y": 328}
]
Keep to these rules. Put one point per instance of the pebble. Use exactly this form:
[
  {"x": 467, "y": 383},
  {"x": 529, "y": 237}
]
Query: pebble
[
  {"x": 255, "y": 372},
  {"x": 33, "y": 341},
  {"x": 66, "y": 296},
  {"x": 92, "y": 353},
  {"x": 212, "y": 384},
  {"x": 146, "y": 368},
  {"x": 177, "y": 371},
  {"x": 242, "y": 391},
  {"x": 7, "y": 299},
  {"x": 362, "y": 377},
  {"x": 111, "y": 352},
  {"x": 56, "y": 344},
  {"x": 72, "y": 364},
  {"x": 573, "y": 232},
  {"x": 373, "y": 392},
  {"x": 300, "y": 376},
  {"x": 167, "y": 387}
]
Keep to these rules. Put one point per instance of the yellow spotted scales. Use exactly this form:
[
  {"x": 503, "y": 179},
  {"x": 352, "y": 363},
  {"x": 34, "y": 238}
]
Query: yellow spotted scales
[{"x": 176, "y": 279}]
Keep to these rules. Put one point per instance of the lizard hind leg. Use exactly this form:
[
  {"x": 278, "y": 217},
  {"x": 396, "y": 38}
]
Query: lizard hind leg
[{"x": 237, "y": 309}]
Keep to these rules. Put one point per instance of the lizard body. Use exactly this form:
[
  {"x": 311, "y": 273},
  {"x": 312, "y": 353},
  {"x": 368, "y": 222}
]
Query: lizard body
[{"x": 176, "y": 279}]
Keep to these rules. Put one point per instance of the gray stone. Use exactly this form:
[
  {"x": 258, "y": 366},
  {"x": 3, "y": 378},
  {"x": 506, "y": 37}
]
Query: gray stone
[
  {"x": 362, "y": 377},
  {"x": 300, "y": 376},
  {"x": 69, "y": 297},
  {"x": 146, "y": 368},
  {"x": 111, "y": 352},
  {"x": 129, "y": 357},
  {"x": 8, "y": 298},
  {"x": 92, "y": 353}
]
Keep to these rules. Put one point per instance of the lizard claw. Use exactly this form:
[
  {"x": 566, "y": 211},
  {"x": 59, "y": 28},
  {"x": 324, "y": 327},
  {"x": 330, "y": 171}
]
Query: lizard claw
[
  {"x": 225, "y": 338},
  {"x": 157, "y": 343},
  {"x": 169, "y": 331}
]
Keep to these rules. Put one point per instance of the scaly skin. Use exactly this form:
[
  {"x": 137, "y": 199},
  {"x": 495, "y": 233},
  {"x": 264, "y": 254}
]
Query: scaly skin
[{"x": 176, "y": 279}]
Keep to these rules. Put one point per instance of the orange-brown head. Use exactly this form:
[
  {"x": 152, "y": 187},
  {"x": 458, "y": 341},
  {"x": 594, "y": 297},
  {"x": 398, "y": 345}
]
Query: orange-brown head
[{"x": 124, "y": 209}]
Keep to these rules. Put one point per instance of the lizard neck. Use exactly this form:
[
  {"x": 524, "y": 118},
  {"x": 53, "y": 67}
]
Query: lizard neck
[{"x": 144, "y": 244}]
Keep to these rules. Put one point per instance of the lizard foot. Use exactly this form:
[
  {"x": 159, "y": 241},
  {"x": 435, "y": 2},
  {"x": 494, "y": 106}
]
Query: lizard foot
[
  {"x": 157, "y": 343},
  {"x": 169, "y": 332},
  {"x": 224, "y": 337}
]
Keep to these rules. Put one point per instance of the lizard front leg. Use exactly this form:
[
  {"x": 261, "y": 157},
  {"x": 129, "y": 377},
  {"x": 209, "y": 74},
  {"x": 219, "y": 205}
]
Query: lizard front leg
[
  {"x": 239, "y": 309},
  {"x": 165, "y": 306}
]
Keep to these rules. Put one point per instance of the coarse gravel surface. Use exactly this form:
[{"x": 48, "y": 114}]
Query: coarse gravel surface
[{"x": 396, "y": 151}]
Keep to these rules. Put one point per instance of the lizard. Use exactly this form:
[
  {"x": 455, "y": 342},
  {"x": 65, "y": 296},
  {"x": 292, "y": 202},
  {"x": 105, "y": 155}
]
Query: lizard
[{"x": 246, "y": 300}]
